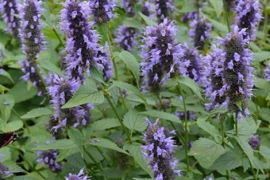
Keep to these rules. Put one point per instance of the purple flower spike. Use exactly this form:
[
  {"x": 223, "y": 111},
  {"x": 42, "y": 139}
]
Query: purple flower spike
[
  {"x": 191, "y": 59},
  {"x": 9, "y": 8},
  {"x": 189, "y": 16},
  {"x": 48, "y": 158},
  {"x": 237, "y": 72},
  {"x": 200, "y": 32},
  {"x": 82, "y": 43},
  {"x": 79, "y": 176},
  {"x": 126, "y": 38},
  {"x": 214, "y": 81},
  {"x": 128, "y": 5},
  {"x": 248, "y": 15},
  {"x": 267, "y": 72},
  {"x": 62, "y": 90},
  {"x": 160, "y": 55},
  {"x": 254, "y": 141},
  {"x": 163, "y": 9},
  {"x": 105, "y": 61},
  {"x": 158, "y": 150},
  {"x": 102, "y": 10}
]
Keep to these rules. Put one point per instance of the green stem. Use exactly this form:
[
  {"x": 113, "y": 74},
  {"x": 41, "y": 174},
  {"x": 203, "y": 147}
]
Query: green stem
[
  {"x": 253, "y": 172},
  {"x": 25, "y": 124},
  {"x": 93, "y": 159},
  {"x": 58, "y": 37},
  {"x": 226, "y": 14},
  {"x": 39, "y": 74},
  {"x": 222, "y": 119},
  {"x": 105, "y": 157},
  {"x": 236, "y": 126},
  {"x": 265, "y": 24}
]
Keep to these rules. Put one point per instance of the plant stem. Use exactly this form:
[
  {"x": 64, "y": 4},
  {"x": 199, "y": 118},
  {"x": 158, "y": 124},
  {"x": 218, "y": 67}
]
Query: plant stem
[
  {"x": 265, "y": 24},
  {"x": 226, "y": 14},
  {"x": 236, "y": 126},
  {"x": 39, "y": 74},
  {"x": 58, "y": 37},
  {"x": 17, "y": 114},
  {"x": 253, "y": 172},
  {"x": 93, "y": 159}
]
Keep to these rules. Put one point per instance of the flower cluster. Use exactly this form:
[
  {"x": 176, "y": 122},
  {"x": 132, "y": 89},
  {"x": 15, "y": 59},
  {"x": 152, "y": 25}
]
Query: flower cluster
[
  {"x": 102, "y": 10},
  {"x": 181, "y": 115},
  {"x": 62, "y": 90},
  {"x": 4, "y": 170},
  {"x": 128, "y": 5},
  {"x": 254, "y": 141},
  {"x": 126, "y": 37},
  {"x": 237, "y": 73},
  {"x": 79, "y": 176},
  {"x": 158, "y": 149},
  {"x": 106, "y": 62},
  {"x": 248, "y": 15},
  {"x": 191, "y": 59},
  {"x": 32, "y": 41},
  {"x": 267, "y": 72},
  {"x": 82, "y": 43},
  {"x": 214, "y": 83},
  {"x": 186, "y": 17},
  {"x": 48, "y": 158},
  {"x": 200, "y": 32},
  {"x": 9, "y": 10},
  {"x": 163, "y": 9},
  {"x": 160, "y": 55}
]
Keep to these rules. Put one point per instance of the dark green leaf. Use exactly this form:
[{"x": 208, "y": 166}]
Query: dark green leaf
[
  {"x": 246, "y": 148},
  {"x": 192, "y": 85},
  {"x": 6, "y": 104},
  {"x": 162, "y": 115},
  {"x": 134, "y": 121},
  {"x": 207, "y": 127},
  {"x": 105, "y": 124},
  {"x": 265, "y": 152},
  {"x": 58, "y": 144},
  {"x": 37, "y": 113},
  {"x": 227, "y": 161}
]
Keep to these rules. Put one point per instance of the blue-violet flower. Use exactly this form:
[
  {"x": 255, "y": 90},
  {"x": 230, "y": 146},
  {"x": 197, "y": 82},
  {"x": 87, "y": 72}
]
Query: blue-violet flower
[
  {"x": 267, "y": 72},
  {"x": 79, "y": 176},
  {"x": 102, "y": 10},
  {"x": 163, "y": 9},
  {"x": 254, "y": 141},
  {"x": 125, "y": 37},
  {"x": 48, "y": 158}
]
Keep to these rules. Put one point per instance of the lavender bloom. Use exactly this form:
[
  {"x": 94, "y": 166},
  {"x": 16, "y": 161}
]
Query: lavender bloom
[
  {"x": 128, "y": 5},
  {"x": 32, "y": 41},
  {"x": 82, "y": 43},
  {"x": 254, "y": 141},
  {"x": 48, "y": 158},
  {"x": 214, "y": 81},
  {"x": 105, "y": 61},
  {"x": 191, "y": 59},
  {"x": 163, "y": 9},
  {"x": 148, "y": 8},
  {"x": 267, "y": 72},
  {"x": 189, "y": 16},
  {"x": 237, "y": 72},
  {"x": 102, "y": 10},
  {"x": 62, "y": 90},
  {"x": 158, "y": 150},
  {"x": 79, "y": 176},
  {"x": 229, "y": 4},
  {"x": 181, "y": 115},
  {"x": 160, "y": 55},
  {"x": 9, "y": 8},
  {"x": 200, "y": 32},
  {"x": 248, "y": 15},
  {"x": 126, "y": 37}
]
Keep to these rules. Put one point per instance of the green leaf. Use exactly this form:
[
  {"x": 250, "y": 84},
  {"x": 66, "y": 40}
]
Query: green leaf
[
  {"x": 162, "y": 115},
  {"x": 85, "y": 94},
  {"x": 6, "y": 74},
  {"x": 6, "y": 104},
  {"x": 63, "y": 154},
  {"x": 129, "y": 88},
  {"x": 192, "y": 85},
  {"x": 261, "y": 56},
  {"x": 37, "y": 113},
  {"x": 12, "y": 126},
  {"x": 105, "y": 124},
  {"x": 207, "y": 127},
  {"x": 134, "y": 121},
  {"x": 51, "y": 68},
  {"x": 131, "y": 63},
  {"x": 105, "y": 143},
  {"x": 219, "y": 26},
  {"x": 247, "y": 127},
  {"x": 58, "y": 144},
  {"x": 265, "y": 152},
  {"x": 76, "y": 136},
  {"x": 261, "y": 83},
  {"x": 206, "y": 151},
  {"x": 246, "y": 148},
  {"x": 148, "y": 21},
  {"x": 227, "y": 161},
  {"x": 21, "y": 92},
  {"x": 130, "y": 22},
  {"x": 218, "y": 6}
]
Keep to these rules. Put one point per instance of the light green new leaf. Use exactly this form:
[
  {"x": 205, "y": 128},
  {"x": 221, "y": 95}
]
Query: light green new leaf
[
  {"x": 131, "y": 22},
  {"x": 261, "y": 56},
  {"x": 218, "y": 7},
  {"x": 37, "y": 113},
  {"x": 206, "y": 151},
  {"x": 6, "y": 74},
  {"x": 132, "y": 63},
  {"x": 148, "y": 21},
  {"x": 105, "y": 124},
  {"x": 21, "y": 92},
  {"x": 265, "y": 152},
  {"x": 134, "y": 121},
  {"x": 192, "y": 85},
  {"x": 12, "y": 126},
  {"x": 227, "y": 161},
  {"x": 105, "y": 143},
  {"x": 246, "y": 148},
  {"x": 207, "y": 127},
  {"x": 6, "y": 104},
  {"x": 162, "y": 115},
  {"x": 51, "y": 67},
  {"x": 219, "y": 26}
]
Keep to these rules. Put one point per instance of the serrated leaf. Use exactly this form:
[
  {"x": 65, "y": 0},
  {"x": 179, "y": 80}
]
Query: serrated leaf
[
  {"x": 129, "y": 88},
  {"x": 265, "y": 152},
  {"x": 105, "y": 124},
  {"x": 58, "y": 144},
  {"x": 148, "y": 21},
  {"x": 162, "y": 115},
  {"x": 247, "y": 127},
  {"x": 131, "y": 63},
  {"x": 219, "y": 26},
  {"x": 246, "y": 148},
  {"x": 12, "y": 126},
  {"x": 218, "y": 7},
  {"x": 261, "y": 83},
  {"x": 134, "y": 121},
  {"x": 21, "y": 92},
  {"x": 63, "y": 154},
  {"x": 207, "y": 127},
  {"x": 105, "y": 143},
  {"x": 6, "y": 104},
  {"x": 84, "y": 95},
  {"x": 131, "y": 22},
  {"x": 206, "y": 151},
  {"x": 76, "y": 136},
  {"x": 227, "y": 161},
  {"x": 192, "y": 85},
  {"x": 261, "y": 56},
  {"x": 37, "y": 113},
  {"x": 51, "y": 67},
  {"x": 6, "y": 74}
]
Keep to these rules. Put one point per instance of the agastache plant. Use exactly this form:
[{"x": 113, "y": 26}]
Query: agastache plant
[
  {"x": 61, "y": 91},
  {"x": 128, "y": 5},
  {"x": 125, "y": 37},
  {"x": 200, "y": 32},
  {"x": 32, "y": 41},
  {"x": 248, "y": 15},
  {"x": 158, "y": 150},
  {"x": 9, "y": 10},
  {"x": 267, "y": 72},
  {"x": 82, "y": 43},
  {"x": 102, "y": 10},
  {"x": 79, "y": 176},
  {"x": 160, "y": 55},
  {"x": 237, "y": 72},
  {"x": 48, "y": 158},
  {"x": 163, "y": 9}
]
